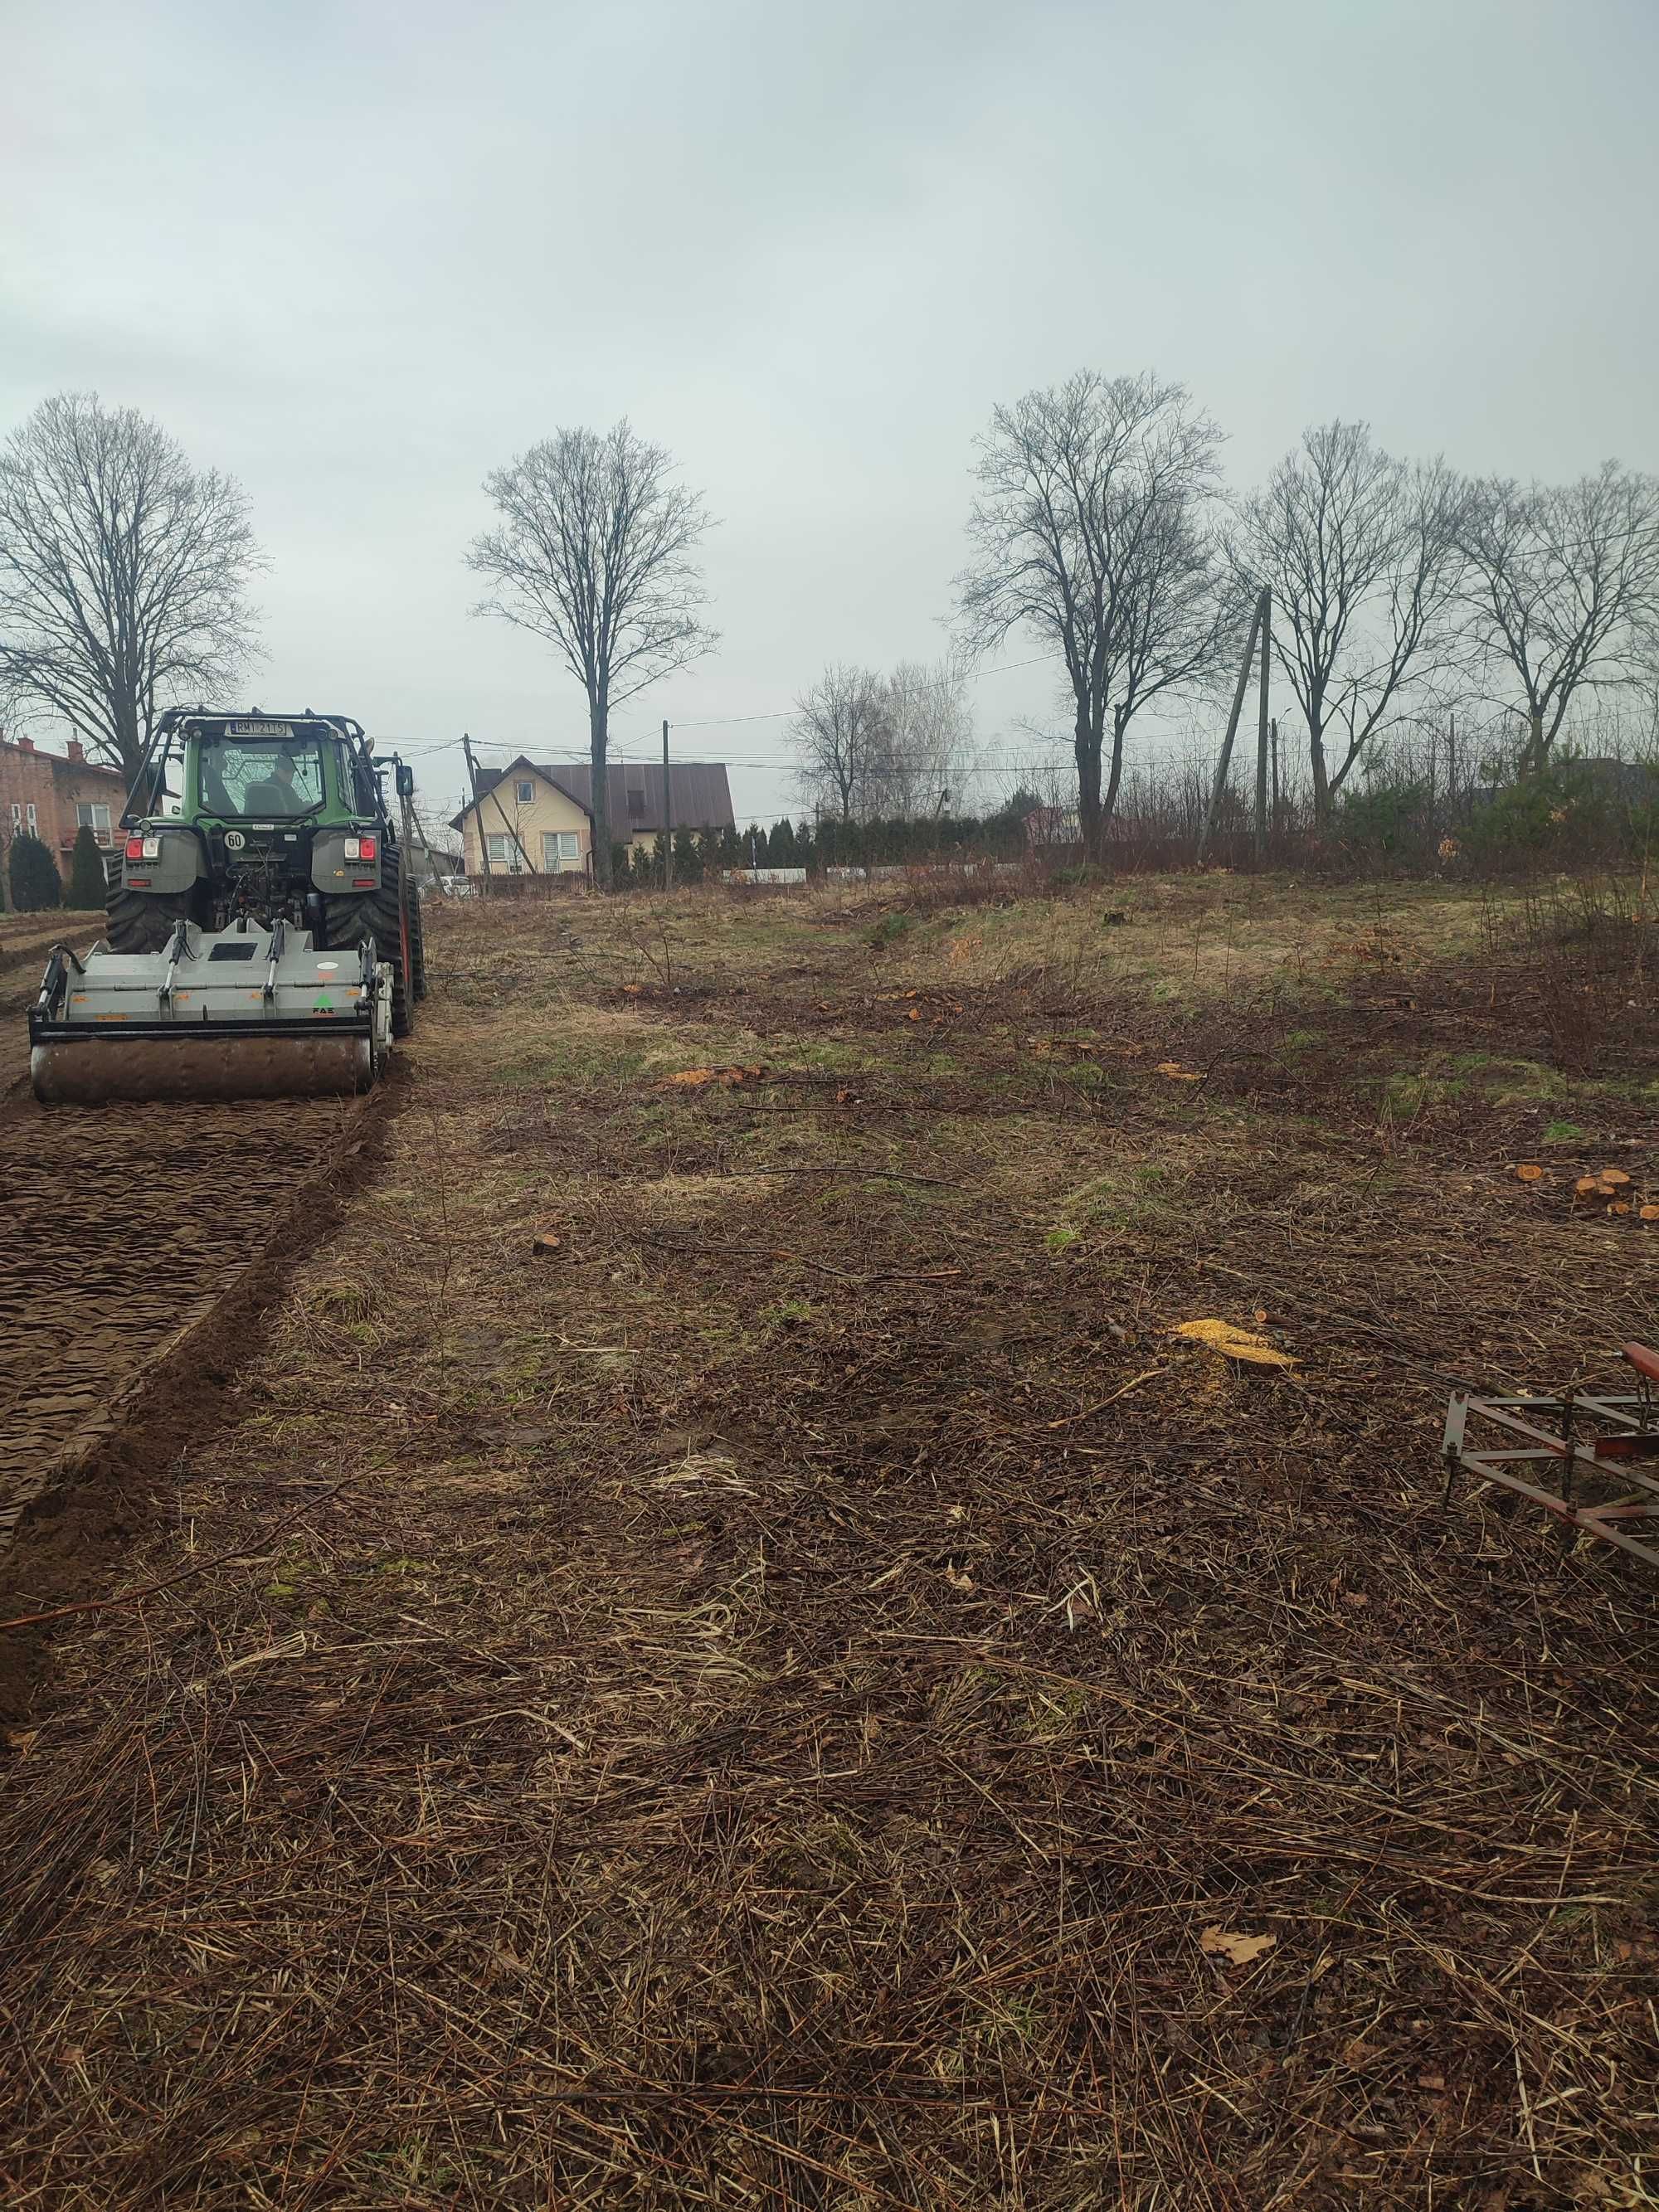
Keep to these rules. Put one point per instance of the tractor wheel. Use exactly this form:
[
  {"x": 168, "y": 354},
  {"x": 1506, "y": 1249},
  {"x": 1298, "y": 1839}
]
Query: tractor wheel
[
  {"x": 375, "y": 917},
  {"x": 142, "y": 921},
  {"x": 418, "y": 941}
]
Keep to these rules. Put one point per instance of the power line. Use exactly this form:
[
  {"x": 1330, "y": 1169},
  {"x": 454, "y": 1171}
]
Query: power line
[
  {"x": 736, "y": 721},
  {"x": 784, "y": 714}
]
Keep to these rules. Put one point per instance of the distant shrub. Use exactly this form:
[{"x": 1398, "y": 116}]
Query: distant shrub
[
  {"x": 888, "y": 930},
  {"x": 87, "y": 882},
  {"x": 32, "y": 873},
  {"x": 1542, "y": 811},
  {"x": 1383, "y": 819}
]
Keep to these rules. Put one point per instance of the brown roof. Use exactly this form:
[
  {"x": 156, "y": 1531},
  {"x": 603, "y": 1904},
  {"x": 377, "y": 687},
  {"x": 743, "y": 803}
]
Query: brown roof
[
  {"x": 61, "y": 767},
  {"x": 74, "y": 770},
  {"x": 634, "y": 789}
]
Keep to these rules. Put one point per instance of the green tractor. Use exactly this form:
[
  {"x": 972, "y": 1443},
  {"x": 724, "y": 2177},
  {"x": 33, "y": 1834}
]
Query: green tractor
[
  {"x": 257, "y": 848},
  {"x": 269, "y": 814}
]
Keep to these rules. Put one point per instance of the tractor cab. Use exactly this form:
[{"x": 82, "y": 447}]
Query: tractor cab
[
  {"x": 273, "y": 816},
  {"x": 284, "y": 778}
]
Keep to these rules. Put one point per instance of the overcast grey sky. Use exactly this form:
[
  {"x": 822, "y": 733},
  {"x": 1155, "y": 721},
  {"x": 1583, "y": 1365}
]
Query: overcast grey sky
[{"x": 359, "y": 253}]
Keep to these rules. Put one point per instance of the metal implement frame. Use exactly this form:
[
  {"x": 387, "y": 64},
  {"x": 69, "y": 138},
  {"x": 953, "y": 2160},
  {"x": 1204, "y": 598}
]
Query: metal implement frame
[
  {"x": 1585, "y": 1434},
  {"x": 174, "y": 1024}
]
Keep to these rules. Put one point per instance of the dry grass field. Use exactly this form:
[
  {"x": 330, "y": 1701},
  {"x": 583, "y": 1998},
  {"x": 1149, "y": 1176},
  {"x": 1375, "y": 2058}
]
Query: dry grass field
[{"x": 713, "y": 1648}]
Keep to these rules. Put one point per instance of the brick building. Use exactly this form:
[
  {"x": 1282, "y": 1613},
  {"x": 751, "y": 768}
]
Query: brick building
[{"x": 54, "y": 794}]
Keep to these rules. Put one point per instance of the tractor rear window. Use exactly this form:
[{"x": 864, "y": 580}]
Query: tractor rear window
[{"x": 266, "y": 779}]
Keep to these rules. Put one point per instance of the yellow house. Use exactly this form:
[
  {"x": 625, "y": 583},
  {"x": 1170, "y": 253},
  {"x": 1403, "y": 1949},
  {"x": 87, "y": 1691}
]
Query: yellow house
[
  {"x": 533, "y": 818},
  {"x": 530, "y": 824}
]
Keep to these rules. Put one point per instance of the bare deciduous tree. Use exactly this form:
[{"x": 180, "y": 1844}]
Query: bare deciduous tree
[
  {"x": 123, "y": 572},
  {"x": 1562, "y": 587},
  {"x": 1091, "y": 529},
  {"x": 595, "y": 552},
  {"x": 841, "y": 740},
  {"x": 1362, "y": 553},
  {"x": 928, "y": 759}
]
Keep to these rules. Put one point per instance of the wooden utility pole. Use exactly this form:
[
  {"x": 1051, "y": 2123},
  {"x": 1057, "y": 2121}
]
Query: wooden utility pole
[
  {"x": 1226, "y": 760},
  {"x": 1261, "y": 727},
  {"x": 667, "y": 815},
  {"x": 426, "y": 843},
  {"x": 478, "y": 806}
]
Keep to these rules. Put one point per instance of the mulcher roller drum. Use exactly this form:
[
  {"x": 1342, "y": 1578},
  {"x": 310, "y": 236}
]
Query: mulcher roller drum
[
  {"x": 247, "y": 1013},
  {"x": 263, "y": 936}
]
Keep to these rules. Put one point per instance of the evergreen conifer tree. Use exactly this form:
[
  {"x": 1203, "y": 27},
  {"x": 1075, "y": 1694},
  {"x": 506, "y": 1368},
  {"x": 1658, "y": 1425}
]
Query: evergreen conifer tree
[
  {"x": 33, "y": 873},
  {"x": 85, "y": 883}
]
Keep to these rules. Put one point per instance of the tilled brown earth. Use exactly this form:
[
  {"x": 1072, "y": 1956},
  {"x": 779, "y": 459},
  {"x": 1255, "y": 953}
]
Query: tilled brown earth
[{"x": 124, "y": 1224}]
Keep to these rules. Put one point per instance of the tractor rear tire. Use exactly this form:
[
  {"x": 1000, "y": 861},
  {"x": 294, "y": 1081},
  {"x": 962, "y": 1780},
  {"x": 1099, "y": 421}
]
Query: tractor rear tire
[
  {"x": 142, "y": 921},
  {"x": 375, "y": 917},
  {"x": 417, "y": 941}
]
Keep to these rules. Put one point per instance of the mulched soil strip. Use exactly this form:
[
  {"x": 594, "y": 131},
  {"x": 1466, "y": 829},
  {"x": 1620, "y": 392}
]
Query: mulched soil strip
[{"x": 111, "y": 1367}]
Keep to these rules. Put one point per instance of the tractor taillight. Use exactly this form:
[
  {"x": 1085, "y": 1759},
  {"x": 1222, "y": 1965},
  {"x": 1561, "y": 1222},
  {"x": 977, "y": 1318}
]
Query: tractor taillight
[
  {"x": 366, "y": 848},
  {"x": 135, "y": 849}
]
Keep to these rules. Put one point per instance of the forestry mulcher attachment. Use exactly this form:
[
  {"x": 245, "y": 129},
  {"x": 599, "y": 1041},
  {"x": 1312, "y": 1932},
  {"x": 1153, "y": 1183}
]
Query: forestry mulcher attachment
[{"x": 264, "y": 933}]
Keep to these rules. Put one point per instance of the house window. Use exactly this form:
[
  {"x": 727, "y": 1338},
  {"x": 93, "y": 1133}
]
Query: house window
[
  {"x": 92, "y": 814},
  {"x": 504, "y": 854},
  {"x": 524, "y": 792},
  {"x": 17, "y": 814},
  {"x": 561, "y": 849},
  {"x": 636, "y": 802},
  {"x": 29, "y": 810}
]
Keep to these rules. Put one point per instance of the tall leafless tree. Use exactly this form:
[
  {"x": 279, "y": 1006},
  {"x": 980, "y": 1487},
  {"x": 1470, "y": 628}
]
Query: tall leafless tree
[
  {"x": 928, "y": 758},
  {"x": 840, "y": 735},
  {"x": 595, "y": 552},
  {"x": 1563, "y": 588},
  {"x": 1362, "y": 553},
  {"x": 1092, "y": 531},
  {"x": 123, "y": 573}
]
